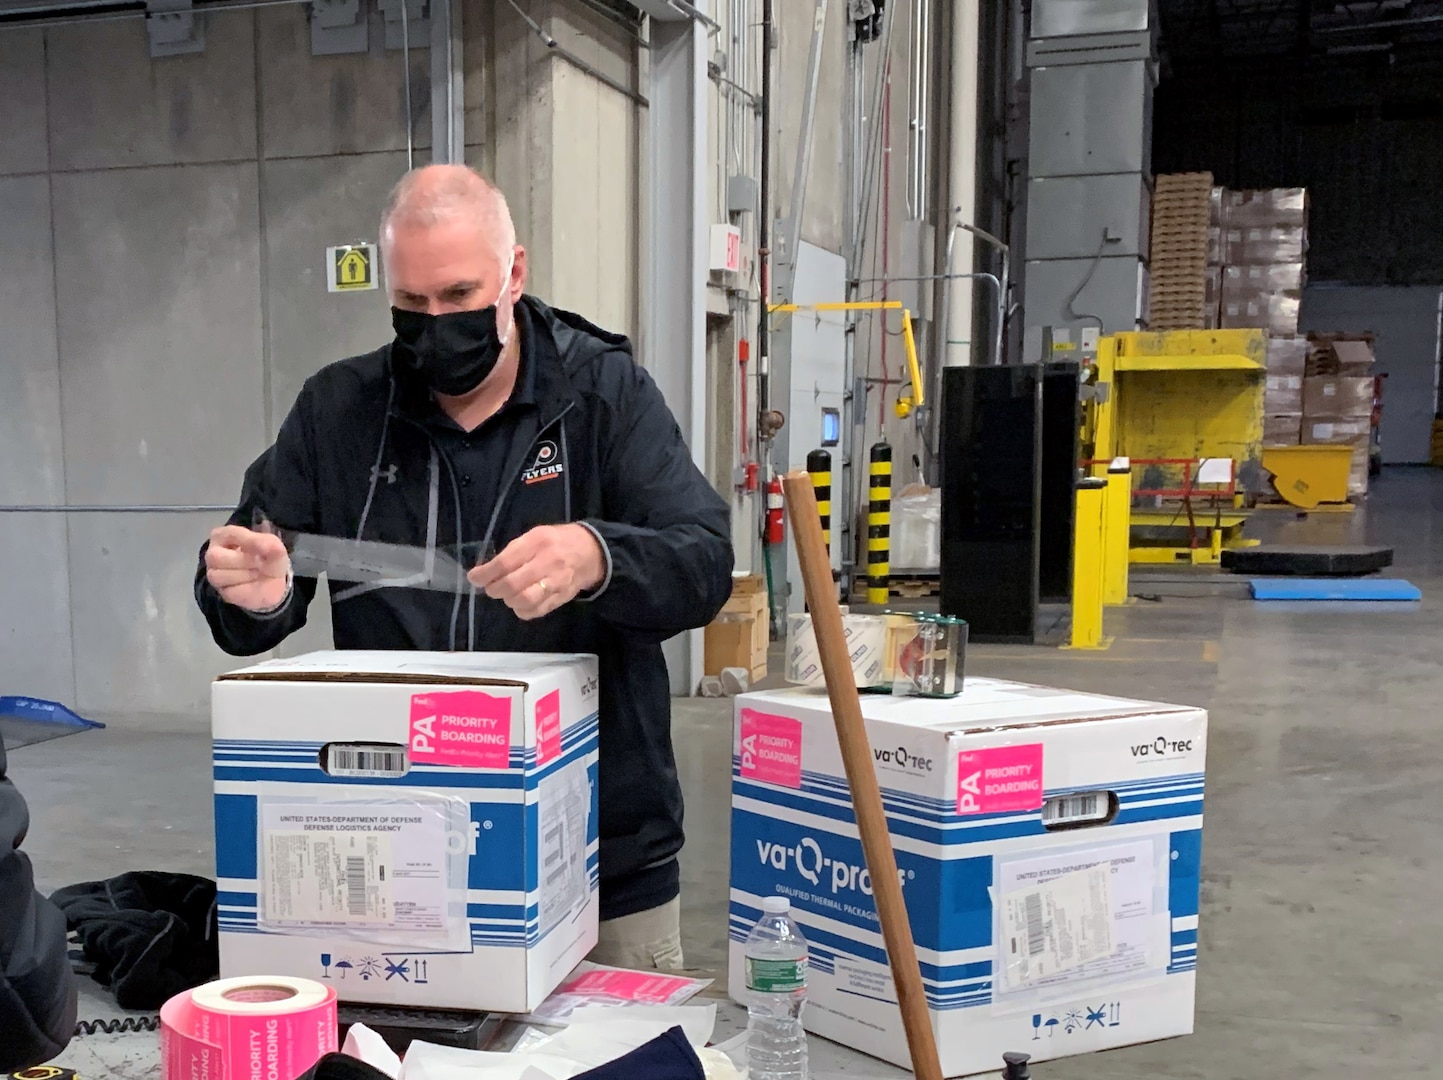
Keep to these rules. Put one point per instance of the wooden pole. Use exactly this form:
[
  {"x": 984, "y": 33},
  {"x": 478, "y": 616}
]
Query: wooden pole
[{"x": 861, "y": 776}]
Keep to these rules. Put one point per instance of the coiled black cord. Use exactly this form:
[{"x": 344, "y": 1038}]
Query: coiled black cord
[{"x": 123, "y": 1026}]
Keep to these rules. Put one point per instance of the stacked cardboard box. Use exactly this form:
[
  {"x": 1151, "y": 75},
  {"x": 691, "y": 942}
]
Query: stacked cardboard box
[
  {"x": 1283, "y": 398},
  {"x": 739, "y": 636},
  {"x": 1177, "y": 265},
  {"x": 1213, "y": 275},
  {"x": 1264, "y": 245},
  {"x": 1338, "y": 399}
]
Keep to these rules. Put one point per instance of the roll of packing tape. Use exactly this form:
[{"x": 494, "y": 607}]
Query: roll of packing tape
[
  {"x": 237, "y": 1029},
  {"x": 866, "y": 637}
]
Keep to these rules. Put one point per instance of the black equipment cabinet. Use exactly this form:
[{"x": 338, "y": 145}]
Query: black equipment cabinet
[
  {"x": 1061, "y": 420},
  {"x": 990, "y": 431}
]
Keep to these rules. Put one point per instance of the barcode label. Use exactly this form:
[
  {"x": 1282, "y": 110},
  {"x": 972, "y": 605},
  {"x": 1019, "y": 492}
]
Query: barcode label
[
  {"x": 1036, "y": 940},
  {"x": 557, "y": 859},
  {"x": 362, "y": 760},
  {"x": 356, "y": 885},
  {"x": 565, "y": 805},
  {"x": 1075, "y": 809}
]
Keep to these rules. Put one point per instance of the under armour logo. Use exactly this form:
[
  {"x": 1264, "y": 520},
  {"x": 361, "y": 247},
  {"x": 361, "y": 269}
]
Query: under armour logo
[{"x": 377, "y": 474}]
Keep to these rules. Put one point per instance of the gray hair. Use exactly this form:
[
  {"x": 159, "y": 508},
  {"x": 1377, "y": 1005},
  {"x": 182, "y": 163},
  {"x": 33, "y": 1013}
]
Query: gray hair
[{"x": 435, "y": 193}]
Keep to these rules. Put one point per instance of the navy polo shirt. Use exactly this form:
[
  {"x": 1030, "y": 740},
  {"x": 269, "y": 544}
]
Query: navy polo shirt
[{"x": 478, "y": 458}]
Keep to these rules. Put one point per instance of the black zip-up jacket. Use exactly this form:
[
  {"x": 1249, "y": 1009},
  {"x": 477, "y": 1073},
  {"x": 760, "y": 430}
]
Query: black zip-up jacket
[
  {"x": 624, "y": 471},
  {"x": 37, "y": 990}
]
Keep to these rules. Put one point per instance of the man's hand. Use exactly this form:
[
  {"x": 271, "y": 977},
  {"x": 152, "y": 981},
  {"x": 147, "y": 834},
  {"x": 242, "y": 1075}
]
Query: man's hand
[
  {"x": 248, "y": 569},
  {"x": 543, "y": 569}
]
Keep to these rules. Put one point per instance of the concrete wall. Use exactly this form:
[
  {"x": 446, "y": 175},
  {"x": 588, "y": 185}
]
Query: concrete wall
[{"x": 162, "y": 290}]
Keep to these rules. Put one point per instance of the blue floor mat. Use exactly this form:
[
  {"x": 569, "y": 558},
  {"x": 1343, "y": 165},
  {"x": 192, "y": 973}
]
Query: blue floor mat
[{"x": 1333, "y": 589}]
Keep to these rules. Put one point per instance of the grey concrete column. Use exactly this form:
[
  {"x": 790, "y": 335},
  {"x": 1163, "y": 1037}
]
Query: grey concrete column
[{"x": 675, "y": 326}]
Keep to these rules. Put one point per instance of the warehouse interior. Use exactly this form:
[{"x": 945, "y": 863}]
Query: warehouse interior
[{"x": 968, "y": 190}]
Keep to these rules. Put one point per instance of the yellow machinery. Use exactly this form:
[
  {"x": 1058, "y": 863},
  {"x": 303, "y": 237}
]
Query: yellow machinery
[
  {"x": 1308, "y": 475},
  {"x": 1186, "y": 408}
]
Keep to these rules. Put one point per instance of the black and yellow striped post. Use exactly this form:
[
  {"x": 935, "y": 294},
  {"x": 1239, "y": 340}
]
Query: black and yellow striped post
[
  {"x": 819, "y": 464},
  {"x": 879, "y": 525}
]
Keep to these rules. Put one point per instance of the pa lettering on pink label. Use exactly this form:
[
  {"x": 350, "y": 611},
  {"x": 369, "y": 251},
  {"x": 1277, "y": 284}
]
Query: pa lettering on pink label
[
  {"x": 463, "y": 728},
  {"x": 548, "y": 728},
  {"x": 771, "y": 749},
  {"x": 1000, "y": 780}
]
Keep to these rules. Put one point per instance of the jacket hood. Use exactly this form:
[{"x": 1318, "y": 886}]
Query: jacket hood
[{"x": 577, "y": 339}]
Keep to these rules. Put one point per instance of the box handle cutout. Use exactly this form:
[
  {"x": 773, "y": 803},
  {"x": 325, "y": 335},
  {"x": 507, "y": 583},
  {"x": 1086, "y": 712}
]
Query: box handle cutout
[
  {"x": 364, "y": 759},
  {"x": 1079, "y": 810}
]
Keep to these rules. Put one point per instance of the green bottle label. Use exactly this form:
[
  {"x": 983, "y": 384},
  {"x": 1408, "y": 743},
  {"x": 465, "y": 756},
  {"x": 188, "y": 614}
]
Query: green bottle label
[{"x": 776, "y": 976}]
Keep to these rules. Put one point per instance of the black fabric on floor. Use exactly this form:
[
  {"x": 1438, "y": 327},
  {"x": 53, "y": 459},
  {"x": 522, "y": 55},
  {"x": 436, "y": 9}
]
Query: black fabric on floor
[
  {"x": 667, "y": 1057},
  {"x": 342, "y": 1067},
  {"x": 150, "y": 935}
]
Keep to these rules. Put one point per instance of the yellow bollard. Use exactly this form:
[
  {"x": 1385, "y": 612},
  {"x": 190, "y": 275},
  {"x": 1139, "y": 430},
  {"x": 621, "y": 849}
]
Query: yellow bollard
[
  {"x": 819, "y": 465},
  {"x": 1087, "y": 567},
  {"x": 879, "y": 525},
  {"x": 1116, "y": 531}
]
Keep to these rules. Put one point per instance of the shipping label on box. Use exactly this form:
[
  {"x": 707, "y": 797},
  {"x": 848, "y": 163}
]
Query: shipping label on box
[
  {"x": 420, "y": 829},
  {"x": 1354, "y": 432},
  {"x": 1047, "y": 845}
]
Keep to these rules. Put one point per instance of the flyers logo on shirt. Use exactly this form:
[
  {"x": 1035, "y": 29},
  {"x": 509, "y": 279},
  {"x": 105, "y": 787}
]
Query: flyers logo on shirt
[{"x": 546, "y": 466}]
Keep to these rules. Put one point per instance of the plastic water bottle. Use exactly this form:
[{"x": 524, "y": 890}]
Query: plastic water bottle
[{"x": 776, "y": 958}]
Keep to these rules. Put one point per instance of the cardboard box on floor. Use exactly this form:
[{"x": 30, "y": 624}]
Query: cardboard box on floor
[
  {"x": 741, "y": 634},
  {"x": 1048, "y": 844},
  {"x": 415, "y": 829}
]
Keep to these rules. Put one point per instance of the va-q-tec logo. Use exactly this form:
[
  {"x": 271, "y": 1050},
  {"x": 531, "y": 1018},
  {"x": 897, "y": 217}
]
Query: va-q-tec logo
[
  {"x": 903, "y": 757},
  {"x": 813, "y": 865},
  {"x": 1162, "y": 747}
]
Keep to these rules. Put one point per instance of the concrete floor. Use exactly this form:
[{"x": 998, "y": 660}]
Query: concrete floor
[{"x": 1321, "y": 937}]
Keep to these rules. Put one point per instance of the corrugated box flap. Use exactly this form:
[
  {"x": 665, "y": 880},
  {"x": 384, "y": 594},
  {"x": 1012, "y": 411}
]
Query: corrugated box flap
[
  {"x": 989, "y": 704},
  {"x": 495, "y": 669}
]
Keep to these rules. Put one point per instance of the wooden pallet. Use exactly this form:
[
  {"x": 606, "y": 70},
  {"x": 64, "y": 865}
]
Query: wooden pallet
[{"x": 904, "y": 588}]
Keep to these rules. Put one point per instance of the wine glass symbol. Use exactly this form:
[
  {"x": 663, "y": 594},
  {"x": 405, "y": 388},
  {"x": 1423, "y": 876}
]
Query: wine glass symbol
[
  {"x": 1036, "y": 1026},
  {"x": 326, "y": 964}
]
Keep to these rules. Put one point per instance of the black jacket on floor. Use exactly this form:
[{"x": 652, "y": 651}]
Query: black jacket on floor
[
  {"x": 150, "y": 934},
  {"x": 37, "y": 990},
  {"x": 358, "y": 456}
]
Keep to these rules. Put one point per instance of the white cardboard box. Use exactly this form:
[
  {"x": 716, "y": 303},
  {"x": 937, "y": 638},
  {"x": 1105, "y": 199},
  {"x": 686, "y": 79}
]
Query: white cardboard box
[
  {"x": 1052, "y": 939},
  {"x": 413, "y": 828}
]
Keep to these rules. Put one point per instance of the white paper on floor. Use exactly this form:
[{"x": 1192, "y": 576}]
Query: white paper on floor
[
  {"x": 596, "y": 1035},
  {"x": 364, "y": 1044}
]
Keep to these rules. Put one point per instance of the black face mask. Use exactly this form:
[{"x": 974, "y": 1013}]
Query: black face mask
[{"x": 452, "y": 353}]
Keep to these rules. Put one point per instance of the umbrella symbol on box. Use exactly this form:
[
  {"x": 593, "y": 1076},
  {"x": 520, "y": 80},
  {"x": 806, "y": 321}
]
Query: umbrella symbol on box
[{"x": 344, "y": 966}]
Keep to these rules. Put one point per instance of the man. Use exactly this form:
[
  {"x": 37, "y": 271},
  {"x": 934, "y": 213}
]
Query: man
[
  {"x": 493, "y": 423},
  {"x": 37, "y": 991}
]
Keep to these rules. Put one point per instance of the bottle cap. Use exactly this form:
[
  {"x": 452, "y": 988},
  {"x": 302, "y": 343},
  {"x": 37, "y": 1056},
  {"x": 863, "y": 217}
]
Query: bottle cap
[
  {"x": 1016, "y": 1066},
  {"x": 776, "y": 905}
]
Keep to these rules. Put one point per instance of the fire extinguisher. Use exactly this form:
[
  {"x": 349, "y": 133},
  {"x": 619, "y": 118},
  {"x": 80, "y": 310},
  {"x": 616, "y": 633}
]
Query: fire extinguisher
[{"x": 775, "y": 527}]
